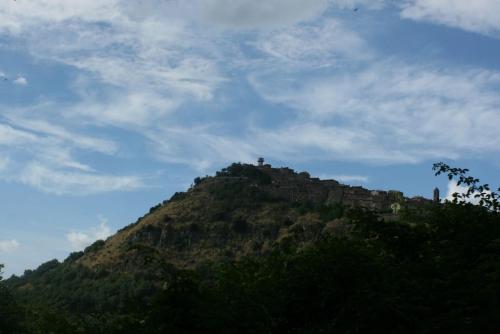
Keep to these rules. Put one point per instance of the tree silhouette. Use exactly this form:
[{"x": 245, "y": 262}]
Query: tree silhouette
[{"x": 474, "y": 189}]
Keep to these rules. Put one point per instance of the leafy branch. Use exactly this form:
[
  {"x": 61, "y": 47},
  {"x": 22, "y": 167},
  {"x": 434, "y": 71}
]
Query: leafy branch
[{"x": 474, "y": 189}]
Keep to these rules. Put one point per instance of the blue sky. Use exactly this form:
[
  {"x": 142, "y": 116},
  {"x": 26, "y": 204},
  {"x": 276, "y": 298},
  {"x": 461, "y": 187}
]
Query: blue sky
[{"x": 108, "y": 107}]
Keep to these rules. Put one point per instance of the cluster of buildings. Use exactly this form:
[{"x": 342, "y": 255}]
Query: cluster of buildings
[{"x": 301, "y": 187}]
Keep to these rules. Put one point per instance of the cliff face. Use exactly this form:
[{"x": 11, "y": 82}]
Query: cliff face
[{"x": 243, "y": 210}]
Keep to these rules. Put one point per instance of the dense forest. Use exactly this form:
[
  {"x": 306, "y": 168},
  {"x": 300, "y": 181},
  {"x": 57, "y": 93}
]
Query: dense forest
[{"x": 433, "y": 270}]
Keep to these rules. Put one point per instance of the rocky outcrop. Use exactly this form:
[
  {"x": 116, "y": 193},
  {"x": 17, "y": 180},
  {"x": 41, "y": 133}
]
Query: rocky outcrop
[
  {"x": 300, "y": 187},
  {"x": 243, "y": 210}
]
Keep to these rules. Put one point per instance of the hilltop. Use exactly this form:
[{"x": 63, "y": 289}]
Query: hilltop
[{"x": 243, "y": 210}]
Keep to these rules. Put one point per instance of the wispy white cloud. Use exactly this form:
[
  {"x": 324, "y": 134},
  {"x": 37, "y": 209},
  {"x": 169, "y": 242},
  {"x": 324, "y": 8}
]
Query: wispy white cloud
[
  {"x": 137, "y": 110},
  {"x": 143, "y": 51},
  {"x": 60, "y": 182},
  {"x": 479, "y": 16},
  {"x": 261, "y": 14},
  {"x": 11, "y": 136},
  {"x": 8, "y": 246},
  {"x": 79, "y": 240},
  {"x": 265, "y": 14},
  {"x": 145, "y": 62},
  {"x": 134, "y": 72},
  {"x": 154, "y": 69},
  {"x": 45, "y": 158},
  {"x": 380, "y": 107},
  {"x": 313, "y": 45},
  {"x": 20, "y": 81},
  {"x": 41, "y": 129},
  {"x": 16, "y": 17},
  {"x": 199, "y": 147},
  {"x": 302, "y": 141}
]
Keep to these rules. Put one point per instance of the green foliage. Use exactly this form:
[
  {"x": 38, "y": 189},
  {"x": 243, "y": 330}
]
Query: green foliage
[
  {"x": 197, "y": 180},
  {"x": 73, "y": 257},
  {"x": 438, "y": 276},
  {"x": 238, "y": 194},
  {"x": 97, "y": 245},
  {"x": 9, "y": 310},
  {"x": 474, "y": 189},
  {"x": 154, "y": 208},
  {"x": 245, "y": 171},
  {"x": 178, "y": 196},
  {"x": 331, "y": 212},
  {"x": 326, "y": 212},
  {"x": 80, "y": 292}
]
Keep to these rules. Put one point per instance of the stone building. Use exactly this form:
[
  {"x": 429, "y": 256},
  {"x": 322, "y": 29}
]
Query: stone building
[{"x": 301, "y": 187}]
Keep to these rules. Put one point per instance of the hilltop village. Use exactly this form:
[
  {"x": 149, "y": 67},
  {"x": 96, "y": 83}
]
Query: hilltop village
[{"x": 287, "y": 184}]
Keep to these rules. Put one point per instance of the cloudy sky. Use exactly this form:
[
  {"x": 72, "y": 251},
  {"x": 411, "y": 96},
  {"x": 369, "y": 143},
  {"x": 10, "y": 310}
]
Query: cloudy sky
[{"x": 108, "y": 107}]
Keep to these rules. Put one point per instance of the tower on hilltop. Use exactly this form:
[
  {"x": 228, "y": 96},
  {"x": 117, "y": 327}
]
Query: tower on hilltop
[
  {"x": 260, "y": 161},
  {"x": 436, "y": 198}
]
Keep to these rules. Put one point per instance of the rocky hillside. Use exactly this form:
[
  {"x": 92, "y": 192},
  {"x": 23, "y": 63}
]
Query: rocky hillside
[
  {"x": 242, "y": 210},
  {"x": 430, "y": 269}
]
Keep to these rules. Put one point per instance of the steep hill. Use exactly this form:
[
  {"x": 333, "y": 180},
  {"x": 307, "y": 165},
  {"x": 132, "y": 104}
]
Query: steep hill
[
  {"x": 242, "y": 210},
  {"x": 431, "y": 269}
]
